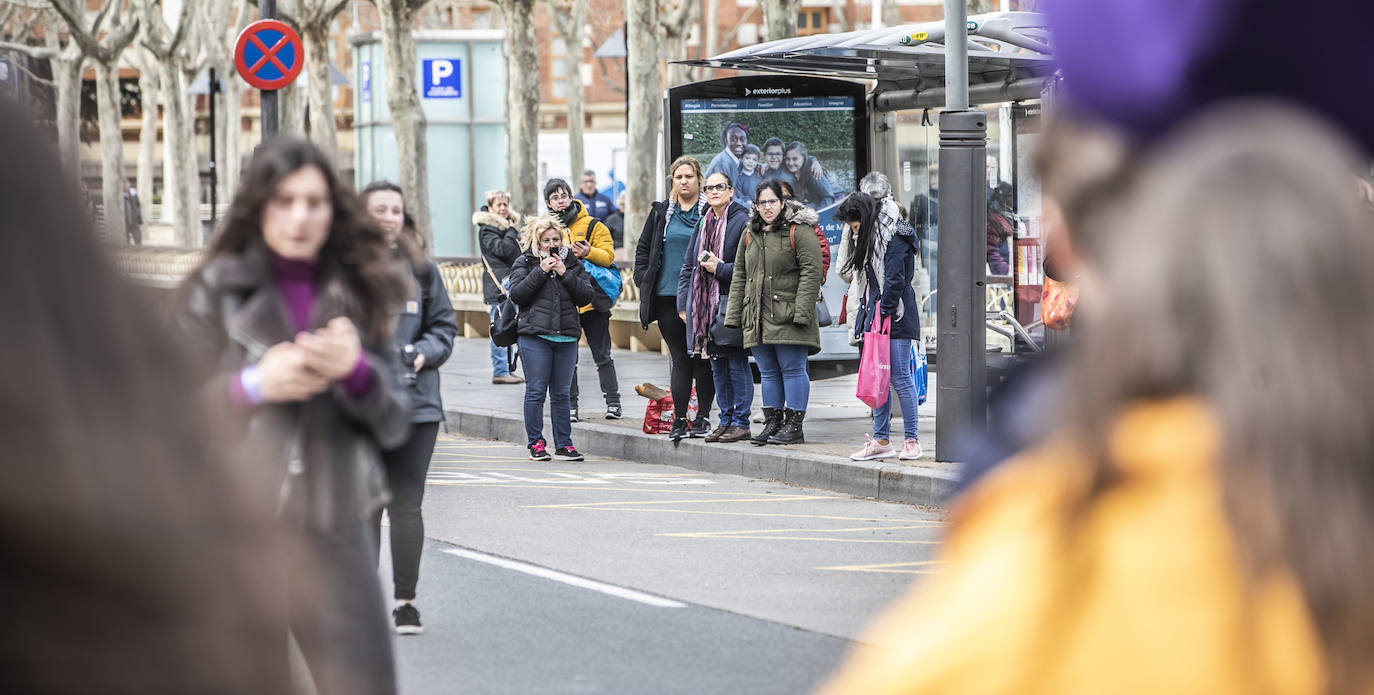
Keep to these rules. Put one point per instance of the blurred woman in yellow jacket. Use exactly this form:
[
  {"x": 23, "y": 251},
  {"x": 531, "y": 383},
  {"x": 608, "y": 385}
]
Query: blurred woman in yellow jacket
[{"x": 1202, "y": 521}]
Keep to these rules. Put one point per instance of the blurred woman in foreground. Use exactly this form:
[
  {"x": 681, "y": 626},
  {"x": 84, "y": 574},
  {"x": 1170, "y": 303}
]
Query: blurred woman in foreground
[
  {"x": 136, "y": 555},
  {"x": 293, "y": 287},
  {"x": 1200, "y": 522}
]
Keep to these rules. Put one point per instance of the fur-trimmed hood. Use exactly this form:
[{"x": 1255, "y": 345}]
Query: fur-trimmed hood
[
  {"x": 793, "y": 212},
  {"x": 491, "y": 219}
]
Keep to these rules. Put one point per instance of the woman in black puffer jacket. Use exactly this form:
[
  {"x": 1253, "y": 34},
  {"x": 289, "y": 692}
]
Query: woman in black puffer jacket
[{"x": 548, "y": 284}]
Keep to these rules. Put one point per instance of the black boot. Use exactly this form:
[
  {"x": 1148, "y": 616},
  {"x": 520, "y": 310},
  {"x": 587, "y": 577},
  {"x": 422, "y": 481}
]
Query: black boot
[
  {"x": 680, "y": 428},
  {"x": 791, "y": 432},
  {"x": 772, "y": 422}
]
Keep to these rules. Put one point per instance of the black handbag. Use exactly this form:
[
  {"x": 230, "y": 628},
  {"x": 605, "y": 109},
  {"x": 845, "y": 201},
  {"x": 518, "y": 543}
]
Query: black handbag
[
  {"x": 722, "y": 335},
  {"x": 505, "y": 329}
]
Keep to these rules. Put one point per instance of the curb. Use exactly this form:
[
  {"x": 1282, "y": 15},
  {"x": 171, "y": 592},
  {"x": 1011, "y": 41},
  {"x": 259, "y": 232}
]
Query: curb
[{"x": 876, "y": 479}]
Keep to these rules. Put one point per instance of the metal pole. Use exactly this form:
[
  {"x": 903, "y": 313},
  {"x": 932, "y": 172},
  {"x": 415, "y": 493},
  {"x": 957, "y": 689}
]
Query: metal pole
[
  {"x": 961, "y": 302},
  {"x": 214, "y": 174},
  {"x": 267, "y": 9}
]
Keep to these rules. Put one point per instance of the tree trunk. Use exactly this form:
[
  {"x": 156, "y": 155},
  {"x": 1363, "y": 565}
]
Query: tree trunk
[
  {"x": 571, "y": 20},
  {"x": 407, "y": 115},
  {"x": 111, "y": 151},
  {"x": 147, "y": 136},
  {"x": 522, "y": 107},
  {"x": 67, "y": 85},
  {"x": 232, "y": 159},
  {"x": 642, "y": 47},
  {"x": 779, "y": 18},
  {"x": 291, "y": 104},
  {"x": 179, "y": 180},
  {"x": 892, "y": 15},
  {"x": 322, "y": 130},
  {"x": 712, "y": 47},
  {"x": 677, "y": 26}
]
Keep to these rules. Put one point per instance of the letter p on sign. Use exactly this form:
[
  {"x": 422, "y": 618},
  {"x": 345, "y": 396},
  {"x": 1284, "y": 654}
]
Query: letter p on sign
[{"x": 443, "y": 78}]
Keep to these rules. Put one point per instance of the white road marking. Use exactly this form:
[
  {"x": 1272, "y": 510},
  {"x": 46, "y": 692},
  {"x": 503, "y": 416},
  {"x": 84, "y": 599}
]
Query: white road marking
[
  {"x": 611, "y": 590},
  {"x": 548, "y": 477}
]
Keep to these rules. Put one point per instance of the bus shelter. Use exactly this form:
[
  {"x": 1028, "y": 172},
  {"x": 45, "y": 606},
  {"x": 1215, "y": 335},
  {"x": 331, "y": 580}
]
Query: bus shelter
[{"x": 1010, "y": 73}]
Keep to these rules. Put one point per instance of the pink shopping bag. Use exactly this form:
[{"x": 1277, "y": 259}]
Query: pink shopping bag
[{"x": 875, "y": 365}]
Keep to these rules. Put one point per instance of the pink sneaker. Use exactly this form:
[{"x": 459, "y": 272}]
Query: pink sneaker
[
  {"x": 911, "y": 450},
  {"x": 873, "y": 450}
]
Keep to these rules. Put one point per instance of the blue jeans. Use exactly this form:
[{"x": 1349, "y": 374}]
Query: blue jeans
[
  {"x": 499, "y": 366},
  {"x": 784, "y": 377},
  {"x": 734, "y": 388},
  {"x": 548, "y": 371},
  {"x": 904, "y": 384}
]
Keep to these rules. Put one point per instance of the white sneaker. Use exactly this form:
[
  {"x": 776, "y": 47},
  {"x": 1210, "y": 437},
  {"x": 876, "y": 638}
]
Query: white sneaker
[
  {"x": 911, "y": 450},
  {"x": 873, "y": 450}
]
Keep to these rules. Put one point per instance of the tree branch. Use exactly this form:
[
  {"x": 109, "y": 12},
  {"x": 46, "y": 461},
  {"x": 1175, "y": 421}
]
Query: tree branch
[
  {"x": 75, "y": 26},
  {"x": 283, "y": 16},
  {"x": 35, "y": 52},
  {"x": 100, "y": 17}
]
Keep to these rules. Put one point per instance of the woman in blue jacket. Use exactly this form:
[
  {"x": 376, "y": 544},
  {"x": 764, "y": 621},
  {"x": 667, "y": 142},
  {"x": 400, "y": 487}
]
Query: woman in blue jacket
[
  {"x": 703, "y": 289},
  {"x": 889, "y": 268}
]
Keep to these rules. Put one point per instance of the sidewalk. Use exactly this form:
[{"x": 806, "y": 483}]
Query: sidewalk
[{"x": 835, "y": 427}]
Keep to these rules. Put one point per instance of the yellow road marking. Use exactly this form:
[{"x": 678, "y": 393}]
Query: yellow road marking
[
  {"x": 744, "y": 535},
  {"x": 586, "y": 505},
  {"x": 608, "y": 475},
  {"x": 856, "y": 529},
  {"x": 761, "y": 515},
  {"x": 889, "y": 568}
]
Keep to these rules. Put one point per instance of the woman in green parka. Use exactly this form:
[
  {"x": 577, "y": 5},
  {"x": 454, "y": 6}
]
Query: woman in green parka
[{"x": 778, "y": 276}]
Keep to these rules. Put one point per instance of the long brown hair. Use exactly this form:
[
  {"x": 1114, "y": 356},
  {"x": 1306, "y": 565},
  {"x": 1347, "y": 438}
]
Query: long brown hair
[
  {"x": 134, "y": 547},
  {"x": 1235, "y": 267},
  {"x": 355, "y": 253}
]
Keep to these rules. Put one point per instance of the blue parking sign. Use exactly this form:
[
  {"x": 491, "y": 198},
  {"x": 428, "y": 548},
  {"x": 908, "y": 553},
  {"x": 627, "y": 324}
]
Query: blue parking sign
[{"x": 443, "y": 78}]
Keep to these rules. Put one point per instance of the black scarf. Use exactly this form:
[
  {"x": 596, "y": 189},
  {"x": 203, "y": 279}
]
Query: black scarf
[{"x": 569, "y": 214}]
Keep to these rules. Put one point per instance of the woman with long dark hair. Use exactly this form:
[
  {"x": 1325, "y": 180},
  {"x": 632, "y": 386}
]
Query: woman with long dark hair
[
  {"x": 138, "y": 552},
  {"x": 703, "y": 292},
  {"x": 291, "y": 309},
  {"x": 888, "y": 266},
  {"x": 1200, "y": 520},
  {"x": 776, "y": 281},
  {"x": 423, "y": 341}
]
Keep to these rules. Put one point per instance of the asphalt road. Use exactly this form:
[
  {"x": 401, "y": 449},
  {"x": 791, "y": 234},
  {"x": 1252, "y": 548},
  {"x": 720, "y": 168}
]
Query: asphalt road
[{"x": 620, "y": 577}]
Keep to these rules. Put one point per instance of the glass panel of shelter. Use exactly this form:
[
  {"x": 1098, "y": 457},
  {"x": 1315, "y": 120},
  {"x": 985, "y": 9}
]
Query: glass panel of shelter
[{"x": 1014, "y": 245}]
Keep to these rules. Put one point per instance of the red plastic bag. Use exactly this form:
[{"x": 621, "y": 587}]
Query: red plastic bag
[
  {"x": 658, "y": 414},
  {"x": 875, "y": 366},
  {"x": 1057, "y": 304}
]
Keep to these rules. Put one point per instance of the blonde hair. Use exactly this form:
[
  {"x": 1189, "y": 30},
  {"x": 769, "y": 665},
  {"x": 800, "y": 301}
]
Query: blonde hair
[{"x": 535, "y": 227}]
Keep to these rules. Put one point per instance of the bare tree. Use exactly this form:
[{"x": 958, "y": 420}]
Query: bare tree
[
  {"x": 675, "y": 20},
  {"x": 104, "y": 50},
  {"x": 149, "y": 94},
  {"x": 180, "y": 179},
  {"x": 892, "y": 15},
  {"x": 780, "y": 18},
  {"x": 315, "y": 19},
  {"x": 66, "y": 61},
  {"x": 642, "y": 47},
  {"x": 219, "y": 29},
  {"x": 403, "y": 99},
  {"x": 569, "y": 17},
  {"x": 522, "y": 106}
]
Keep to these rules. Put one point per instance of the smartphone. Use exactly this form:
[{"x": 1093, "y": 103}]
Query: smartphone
[{"x": 705, "y": 256}]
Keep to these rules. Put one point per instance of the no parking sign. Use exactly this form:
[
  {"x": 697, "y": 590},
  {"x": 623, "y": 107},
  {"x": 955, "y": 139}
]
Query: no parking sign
[{"x": 269, "y": 54}]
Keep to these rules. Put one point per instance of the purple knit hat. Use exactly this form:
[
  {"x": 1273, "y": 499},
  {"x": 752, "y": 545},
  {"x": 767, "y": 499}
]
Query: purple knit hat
[{"x": 1146, "y": 64}]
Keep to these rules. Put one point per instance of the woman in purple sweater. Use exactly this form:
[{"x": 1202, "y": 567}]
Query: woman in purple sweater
[{"x": 291, "y": 312}]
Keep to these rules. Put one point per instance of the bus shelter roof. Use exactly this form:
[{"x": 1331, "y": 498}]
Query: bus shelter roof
[{"x": 1003, "y": 47}]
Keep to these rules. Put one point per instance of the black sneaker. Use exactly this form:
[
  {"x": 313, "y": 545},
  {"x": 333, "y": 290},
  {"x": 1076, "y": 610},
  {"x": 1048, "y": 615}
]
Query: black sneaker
[
  {"x": 568, "y": 453},
  {"x": 613, "y": 411},
  {"x": 700, "y": 428},
  {"x": 572, "y": 415},
  {"x": 407, "y": 620},
  {"x": 539, "y": 451},
  {"x": 680, "y": 428}
]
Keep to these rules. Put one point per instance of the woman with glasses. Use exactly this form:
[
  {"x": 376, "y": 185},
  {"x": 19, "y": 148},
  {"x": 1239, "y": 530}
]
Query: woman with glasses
[
  {"x": 659, "y": 256},
  {"x": 702, "y": 294},
  {"x": 777, "y": 278}
]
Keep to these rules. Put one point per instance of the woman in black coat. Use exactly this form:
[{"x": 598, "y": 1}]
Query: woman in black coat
[
  {"x": 702, "y": 293},
  {"x": 889, "y": 267},
  {"x": 422, "y": 342},
  {"x": 291, "y": 311},
  {"x": 548, "y": 283},
  {"x": 498, "y": 234}
]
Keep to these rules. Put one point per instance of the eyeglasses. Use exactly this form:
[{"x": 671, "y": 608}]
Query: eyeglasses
[
  {"x": 712, "y": 188},
  {"x": 559, "y": 197},
  {"x": 771, "y": 202}
]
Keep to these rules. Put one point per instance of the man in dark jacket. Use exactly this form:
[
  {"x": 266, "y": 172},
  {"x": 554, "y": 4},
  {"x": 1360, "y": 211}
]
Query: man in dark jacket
[
  {"x": 597, "y": 204},
  {"x": 616, "y": 223},
  {"x": 499, "y": 236}
]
